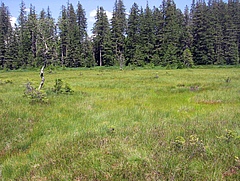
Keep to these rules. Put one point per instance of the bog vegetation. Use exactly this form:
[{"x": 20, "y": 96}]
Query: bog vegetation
[
  {"x": 149, "y": 120},
  {"x": 205, "y": 33},
  {"x": 108, "y": 124}
]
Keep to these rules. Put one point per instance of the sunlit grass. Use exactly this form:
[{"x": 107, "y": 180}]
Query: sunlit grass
[{"x": 122, "y": 125}]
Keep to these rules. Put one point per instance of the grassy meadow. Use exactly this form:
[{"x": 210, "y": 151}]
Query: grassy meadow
[{"x": 142, "y": 124}]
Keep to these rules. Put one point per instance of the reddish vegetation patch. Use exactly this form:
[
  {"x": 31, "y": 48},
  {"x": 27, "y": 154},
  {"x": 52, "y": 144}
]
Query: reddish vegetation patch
[
  {"x": 232, "y": 171},
  {"x": 209, "y": 101}
]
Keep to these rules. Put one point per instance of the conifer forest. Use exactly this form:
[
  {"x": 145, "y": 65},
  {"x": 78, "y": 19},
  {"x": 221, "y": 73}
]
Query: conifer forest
[{"x": 207, "y": 33}]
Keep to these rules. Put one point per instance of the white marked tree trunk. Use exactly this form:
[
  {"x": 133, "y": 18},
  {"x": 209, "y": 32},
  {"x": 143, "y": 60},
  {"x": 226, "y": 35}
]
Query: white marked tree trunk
[
  {"x": 42, "y": 77},
  {"x": 100, "y": 63},
  {"x": 42, "y": 37}
]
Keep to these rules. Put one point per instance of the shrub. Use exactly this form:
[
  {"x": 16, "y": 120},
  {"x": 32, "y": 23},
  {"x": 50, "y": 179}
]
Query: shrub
[
  {"x": 192, "y": 147},
  {"x": 58, "y": 87},
  {"x": 6, "y": 82},
  {"x": 35, "y": 96},
  {"x": 179, "y": 143},
  {"x": 230, "y": 136}
]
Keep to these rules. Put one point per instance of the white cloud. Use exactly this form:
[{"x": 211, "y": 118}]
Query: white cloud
[
  {"x": 92, "y": 20},
  {"x": 13, "y": 21},
  {"x": 27, "y": 10},
  {"x": 93, "y": 13},
  {"x": 109, "y": 14}
]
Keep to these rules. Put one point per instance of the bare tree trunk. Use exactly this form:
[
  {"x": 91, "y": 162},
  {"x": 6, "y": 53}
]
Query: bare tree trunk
[
  {"x": 45, "y": 57},
  {"x": 42, "y": 77},
  {"x": 100, "y": 63}
]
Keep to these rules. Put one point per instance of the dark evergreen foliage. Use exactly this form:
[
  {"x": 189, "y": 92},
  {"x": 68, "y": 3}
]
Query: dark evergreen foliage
[
  {"x": 118, "y": 30},
  {"x": 5, "y": 35},
  {"x": 207, "y": 33},
  {"x": 133, "y": 35},
  {"x": 102, "y": 39}
]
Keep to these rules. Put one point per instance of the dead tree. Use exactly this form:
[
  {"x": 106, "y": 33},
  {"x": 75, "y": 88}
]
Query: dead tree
[
  {"x": 42, "y": 76},
  {"x": 45, "y": 63},
  {"x": 44, "y": 40}
]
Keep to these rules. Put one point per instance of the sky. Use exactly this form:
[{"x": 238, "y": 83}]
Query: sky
[{"x": 89, "y": 6}]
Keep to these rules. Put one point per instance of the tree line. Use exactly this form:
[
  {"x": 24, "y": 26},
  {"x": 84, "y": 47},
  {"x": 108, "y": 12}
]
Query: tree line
[{"x": 206, "y": 33}]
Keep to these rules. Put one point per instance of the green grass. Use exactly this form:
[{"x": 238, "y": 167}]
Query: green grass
[{"x": 122, "y": 125}]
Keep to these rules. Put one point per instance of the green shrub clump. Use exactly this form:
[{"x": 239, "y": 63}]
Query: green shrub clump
[
  {"x": 35, "y": 96},
  {"x": 58, "y": 87}
]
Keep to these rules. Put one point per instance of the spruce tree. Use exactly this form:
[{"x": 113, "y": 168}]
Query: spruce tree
[
  {"x": 72, "y": 33},
  {"x": 147, "y": 35},
  {"x": 5, "y": 32},
  {"x": 231, "y": 34},
  {"x": 108, "y": 55},
  {"x": 187, "y": 58},
  {"x": 24, "y": 42},
  {"x": 237, "y": 23},
  {"x": 12, "y": 49},
  {"x": 211, "y": 23},
  {"x": 118, "y": 30},
  {"x": 133, "y": 36},
  {"x": 158, "y": 23},
  {"x": 187, "y": 36},
  {"x": 218, "y": 16},
  {"x": 81, "y": 37},
  {"x": 101, "y": 40},
  {"x": 208, "y": 33},
  {"x": 32, "y": 27},
  {"x": 172, "y": 34},
  {"x": 199, "y": 34},
  {"x": 139, "y": 56},
  {"x": 88, "y": 59},
  {"x": 63, "y": 28}
]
